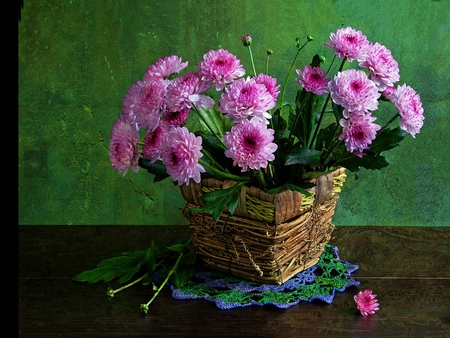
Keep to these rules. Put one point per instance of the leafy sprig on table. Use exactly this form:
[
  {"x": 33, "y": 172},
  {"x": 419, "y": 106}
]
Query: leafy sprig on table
[{"x": 174, "y": 264}]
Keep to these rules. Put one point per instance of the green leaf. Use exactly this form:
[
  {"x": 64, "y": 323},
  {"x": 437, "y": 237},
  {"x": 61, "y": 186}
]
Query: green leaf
[
  {"x": 305, "y": 116},
  {"x": 111, "y": 268},
  {"x": 370, "y": 161},
  {"x": 210, "y": 141},
  {"x": 184, "y": 271},
  {"x": 177, "y": 247},
  {"x": 337, "y": 111},
  {"x": 388, "y": 139},
  {"x": 129, "y": 273},
  {"x": 292, "y": 187},
  {"x": 316, "y": 61},
  {"x": 325, "y": 135},
  {"x": 157, "y": 168},
  {"x": 96, "y": 275},
  {"x": 151, "y": 257},
  {"x": 214, "y": 120},
  {"x": 219, "y": 199},
  {"x": 148, "y": 279},
  {"x": 302, "y": 155},
  {"x": 278, "y": 122}
]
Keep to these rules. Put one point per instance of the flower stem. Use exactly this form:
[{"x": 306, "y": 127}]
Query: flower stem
[
  {"x": 251, "y": 59},
  {"x": 221, "y": 174},
  {"x": 211, "y": 158},
  {"x": 111, "y": 292},
  {"x": 260, "y": 178},
  {"x": 144, "y": 307},
  {"x": 283, "y": 92},
  {"x": 342, "y": 65},
  {"x": 208, "y": 125},
  {"x": 297, "y": 117},
  {"x": 337, "y": 144},
  {"x": 331, "y": 64},
  {"x": 389, "y": 122},
  {"x": 316, "y": 131},
  {"x": 322, "y": 113}
]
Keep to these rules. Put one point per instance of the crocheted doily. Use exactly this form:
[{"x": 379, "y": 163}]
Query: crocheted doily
[{"x": 321, "y": 281}]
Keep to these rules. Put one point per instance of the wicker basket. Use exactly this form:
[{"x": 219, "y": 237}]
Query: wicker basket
[{"x": 270, "y": 238}]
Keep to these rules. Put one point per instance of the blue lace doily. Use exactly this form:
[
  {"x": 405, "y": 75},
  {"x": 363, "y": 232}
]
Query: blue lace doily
[{"x": 321, "y": 281}]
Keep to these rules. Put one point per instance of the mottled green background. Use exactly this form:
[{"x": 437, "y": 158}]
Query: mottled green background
[{"x": 78, "y": 58}]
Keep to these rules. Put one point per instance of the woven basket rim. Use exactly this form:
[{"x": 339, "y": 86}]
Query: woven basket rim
[{"x": 258, "y": 204}]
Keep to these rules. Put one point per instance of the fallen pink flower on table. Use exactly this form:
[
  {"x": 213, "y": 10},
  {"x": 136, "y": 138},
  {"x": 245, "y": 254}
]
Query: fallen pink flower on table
[{"x": 366, "y": 302}]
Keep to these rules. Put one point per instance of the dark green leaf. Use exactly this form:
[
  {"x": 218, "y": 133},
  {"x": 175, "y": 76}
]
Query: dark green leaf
[
  {"x": 177, "y": 247},
  {"x": 316, "y": 61},
  {"x": 337, "y": 111},
  {"x": 387, "y": 139},
  {"x": 129, "y": 273},
  {"x": 148, "y": 279},
  {"x": 325, "y": 135},
  {"x": 151, "y": 257},
  {"x": 157, "y": 168},
  {"x": 218, "y": 200},
  {"x": 305, "y": 116},
  {"x": 292, "y": 187},
  {"x": 302, "y": 155},
  {"x": 278, "y": 122},
  {"x": 111, "y": 268},
  {"x": 184, "y": 271},
  {"x": 210, "y": 141},
  {"x": 370, "y": 161},
  {"x": 96, "y": 275}
]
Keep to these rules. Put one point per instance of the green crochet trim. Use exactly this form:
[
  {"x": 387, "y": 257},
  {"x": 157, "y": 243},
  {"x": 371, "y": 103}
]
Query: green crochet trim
[{"x": 330, "y": 274}]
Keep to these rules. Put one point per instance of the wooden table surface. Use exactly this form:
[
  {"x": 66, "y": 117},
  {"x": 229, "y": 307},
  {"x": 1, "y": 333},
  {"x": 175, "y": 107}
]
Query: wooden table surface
[{"x": 408, "y": 267}]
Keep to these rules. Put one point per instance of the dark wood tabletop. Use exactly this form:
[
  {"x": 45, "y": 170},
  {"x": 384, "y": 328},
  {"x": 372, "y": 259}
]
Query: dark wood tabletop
[{"x": 407, "y": 267}]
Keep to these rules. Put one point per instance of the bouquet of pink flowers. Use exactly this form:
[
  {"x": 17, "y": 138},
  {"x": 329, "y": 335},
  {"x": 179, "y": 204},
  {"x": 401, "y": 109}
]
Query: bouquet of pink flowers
[{"x": 220, "y": 122}]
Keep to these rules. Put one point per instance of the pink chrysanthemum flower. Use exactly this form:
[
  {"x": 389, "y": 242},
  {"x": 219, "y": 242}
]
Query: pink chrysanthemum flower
[
  {"x": 354, "y": 91},
  {"x": 349, "y": 43},
  {"x": 358, "y": 132},
  {"x": 382, "y": 66},
  {"x": 165, "y": 69},
  {"x": 270, "y": 83},
  {"x": 220, "y": 67},
  {"x": 130, "y": 103},
  {"x": 250, "y": 144},
  {"x": 366, "y": 302},
  {"x": 389, "y": 93},
  {"x": 183, "y": 92},
  {"x": 313, "y": 79},
  {"x": 123, "y": 151},
  {"x": 174, "y": 118},
  {"x": 409, "y": 106},
  {"x": 180, "y": 154},
  {"x": 151, "y": 150},
  {"x": 245, "y": 98},
  {"x": 144, "y": 101}
]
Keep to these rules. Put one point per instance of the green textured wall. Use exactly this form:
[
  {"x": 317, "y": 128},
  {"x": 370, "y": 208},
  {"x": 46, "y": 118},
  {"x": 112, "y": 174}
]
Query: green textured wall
[{"x": 77, "y": 59}]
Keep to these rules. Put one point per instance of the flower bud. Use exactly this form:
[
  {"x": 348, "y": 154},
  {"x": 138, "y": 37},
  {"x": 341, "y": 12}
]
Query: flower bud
[
  {"x": 110, "y": 293},
  {"x": 309, "y": 37},
  {"x": 269, "y": 52},
  {"x": 144, "y": 308},
  {"x": 247, "y": 40}
]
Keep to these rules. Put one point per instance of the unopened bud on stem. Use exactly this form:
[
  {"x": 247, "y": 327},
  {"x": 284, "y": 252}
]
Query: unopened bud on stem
[{"x": 247, "y": 40}]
